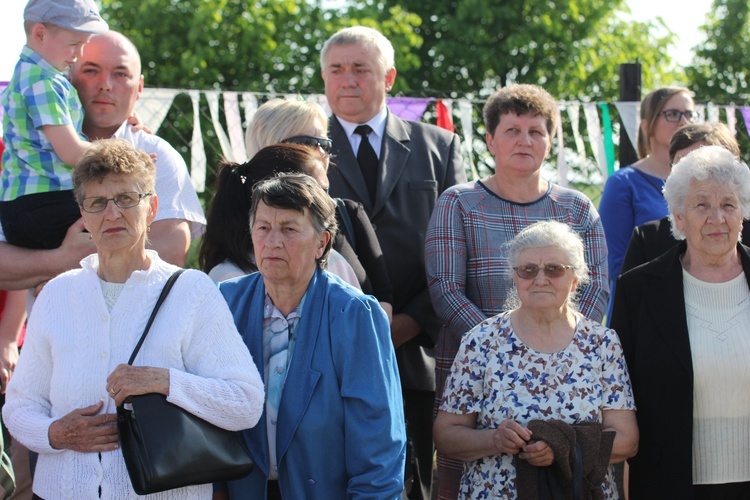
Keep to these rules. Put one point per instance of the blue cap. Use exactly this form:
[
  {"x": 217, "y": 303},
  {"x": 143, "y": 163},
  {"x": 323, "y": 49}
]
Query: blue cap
[{"x": 75, "y": 15}]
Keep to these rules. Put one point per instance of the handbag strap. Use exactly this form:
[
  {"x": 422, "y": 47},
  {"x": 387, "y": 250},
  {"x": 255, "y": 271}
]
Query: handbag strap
[{"x": 159, "y": 301}]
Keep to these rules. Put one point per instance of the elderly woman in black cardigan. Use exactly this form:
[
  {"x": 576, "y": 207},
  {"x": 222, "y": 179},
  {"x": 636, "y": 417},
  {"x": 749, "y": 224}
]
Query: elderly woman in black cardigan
[{"x": 683, "y": 319}]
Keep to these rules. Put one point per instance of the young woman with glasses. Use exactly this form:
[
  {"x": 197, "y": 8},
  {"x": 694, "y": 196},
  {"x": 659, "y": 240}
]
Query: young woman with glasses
[{"x": 633, "y": 195}]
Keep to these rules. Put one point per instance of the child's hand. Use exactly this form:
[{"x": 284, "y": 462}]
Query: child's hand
[{"x": 135, "y": 121}]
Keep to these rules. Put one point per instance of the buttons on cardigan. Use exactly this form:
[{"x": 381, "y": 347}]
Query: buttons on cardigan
[{"x": 311, "y": 481}]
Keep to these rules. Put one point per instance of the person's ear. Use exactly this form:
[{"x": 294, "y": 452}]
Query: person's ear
[
  {"x": 490, "y": 145},
  {"x": 390, "y": 79},
  {"x": 325, "y": 237},
  {"x": 679, "y": 223},
  {"x": 140, "y": 87},
  {"x": 153, "y": 208},
  {"x": 38, "y": 32}
]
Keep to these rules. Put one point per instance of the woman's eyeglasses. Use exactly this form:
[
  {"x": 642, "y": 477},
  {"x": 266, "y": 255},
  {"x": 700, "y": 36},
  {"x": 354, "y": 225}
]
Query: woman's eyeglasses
[
  {"x": 122, "y": 200},
  {"x": 675, "y": 115},
  {"x": 323, "y": 143},
  {"x": 532, "y": 270}
]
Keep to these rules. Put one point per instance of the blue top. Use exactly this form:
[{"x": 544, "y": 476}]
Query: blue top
[
  {"x": 340, "y": 429},
  {"x": 631, "y": 197},
  {"x": 37, "y": 95}
]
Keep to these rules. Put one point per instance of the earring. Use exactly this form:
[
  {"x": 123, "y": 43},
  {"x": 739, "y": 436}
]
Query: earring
[{"x": 148, "y": 229}]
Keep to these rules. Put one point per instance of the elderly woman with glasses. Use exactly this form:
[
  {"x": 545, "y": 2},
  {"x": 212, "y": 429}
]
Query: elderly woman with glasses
[
  {"x": 684, "y": 319},
  {"x": 467, "y": 238},
  {"x": 538, "y": 369},
  {"x": 73, "y": 370},
  {"x": 633, "y": 194}
]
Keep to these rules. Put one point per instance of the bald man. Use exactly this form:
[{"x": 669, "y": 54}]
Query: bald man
[{"x": 109, "y": 82}]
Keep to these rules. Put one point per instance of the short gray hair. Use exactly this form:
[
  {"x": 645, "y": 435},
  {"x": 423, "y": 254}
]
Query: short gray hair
[
  {"x": 299, "y": 192},
  {"x": 708, "y": 163},
  {"x": 366, "y": 37},
  {"x": 548, "y": 233}
]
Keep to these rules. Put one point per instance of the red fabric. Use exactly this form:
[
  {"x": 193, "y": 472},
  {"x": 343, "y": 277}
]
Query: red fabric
[{"x": 444, "y": 119}]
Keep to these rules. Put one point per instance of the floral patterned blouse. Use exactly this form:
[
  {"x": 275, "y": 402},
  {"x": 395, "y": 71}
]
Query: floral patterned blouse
[{"x": 497, "y": 377}]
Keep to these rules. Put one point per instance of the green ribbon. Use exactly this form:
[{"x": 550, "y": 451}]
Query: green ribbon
[{"x": 609, "y": 145}]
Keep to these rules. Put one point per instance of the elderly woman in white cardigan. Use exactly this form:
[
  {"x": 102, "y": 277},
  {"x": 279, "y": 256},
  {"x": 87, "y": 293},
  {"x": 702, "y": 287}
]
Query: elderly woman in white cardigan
[{"x": 73, "y": 373}]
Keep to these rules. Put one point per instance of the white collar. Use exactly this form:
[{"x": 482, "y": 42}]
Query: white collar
[{"x": 376, "y": 123}]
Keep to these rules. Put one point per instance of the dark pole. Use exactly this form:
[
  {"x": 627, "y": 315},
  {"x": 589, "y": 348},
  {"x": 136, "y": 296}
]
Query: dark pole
[{"x": 630, "y": 90}]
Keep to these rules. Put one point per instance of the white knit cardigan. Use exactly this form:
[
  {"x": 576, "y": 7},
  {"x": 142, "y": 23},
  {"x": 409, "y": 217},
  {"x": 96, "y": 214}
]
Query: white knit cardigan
[{"x": 73, "y": 343}]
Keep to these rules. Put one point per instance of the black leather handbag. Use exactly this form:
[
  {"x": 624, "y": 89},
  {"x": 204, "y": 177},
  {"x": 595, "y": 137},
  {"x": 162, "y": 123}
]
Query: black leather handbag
[{"x": 166, "y": 447}]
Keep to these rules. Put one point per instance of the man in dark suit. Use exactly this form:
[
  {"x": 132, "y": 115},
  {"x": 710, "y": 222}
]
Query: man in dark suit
[{"x": 396, "y": 169}]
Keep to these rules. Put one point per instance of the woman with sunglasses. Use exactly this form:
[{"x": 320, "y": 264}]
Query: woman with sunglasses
[
  {"x": 539, "y": 367},
  {"x": 633, "y": 195},
  {"x": 226, "y": 246},
  {"x": 466, "y": 246}
]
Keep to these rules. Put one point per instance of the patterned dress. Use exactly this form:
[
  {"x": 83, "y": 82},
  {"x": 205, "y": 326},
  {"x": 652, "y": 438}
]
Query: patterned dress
[{"x": 497, "y": 377}]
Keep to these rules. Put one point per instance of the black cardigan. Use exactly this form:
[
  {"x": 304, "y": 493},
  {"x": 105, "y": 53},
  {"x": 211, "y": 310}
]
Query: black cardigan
[{"x": 649, "y": 317}]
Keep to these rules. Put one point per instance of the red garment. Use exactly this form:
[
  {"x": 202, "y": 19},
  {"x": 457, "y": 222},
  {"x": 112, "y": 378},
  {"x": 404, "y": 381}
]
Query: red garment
[
  {"x": 444, "y": 119},
  {"x": 3, "y": 297}
]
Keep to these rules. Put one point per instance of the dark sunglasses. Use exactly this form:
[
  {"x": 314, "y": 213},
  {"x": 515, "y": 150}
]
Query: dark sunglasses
[
  {"x": 532, "y": 270},
  {"x": 323, "y": 143}
]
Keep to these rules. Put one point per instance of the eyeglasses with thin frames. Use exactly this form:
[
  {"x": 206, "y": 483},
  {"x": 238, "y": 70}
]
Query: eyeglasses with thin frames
[
  {"x": 531, "y": 271},
  {"x": 675, "y": 115},
  {"x": 123, "y": 200},
  {"x": 323, "y": 143}
]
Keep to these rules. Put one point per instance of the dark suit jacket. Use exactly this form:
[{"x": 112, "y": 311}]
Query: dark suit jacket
[
  {"x": 362, "y": 251},
  {"x": 417, "y": 163},
  {"x": 649, "y": 316},
  {"x": 652, "y": 239}
]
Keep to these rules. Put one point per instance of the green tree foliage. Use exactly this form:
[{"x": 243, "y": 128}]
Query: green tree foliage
[
  {"x": 719, "y": 71},
  {"x": 262, "y": 46},
  {"x": 571, "y": 47},
  {"x": 227, "y": 44},
  {"x": 443, "y": 47}
]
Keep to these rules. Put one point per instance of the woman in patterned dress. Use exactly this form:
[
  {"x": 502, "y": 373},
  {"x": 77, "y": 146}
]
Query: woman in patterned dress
[
  {"x": 542, "y": 360},
  {"x": 466, "y": 245}
]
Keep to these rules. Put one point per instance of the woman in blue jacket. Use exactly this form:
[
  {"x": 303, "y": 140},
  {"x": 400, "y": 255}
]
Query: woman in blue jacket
[{"x": 333, "y": 425}]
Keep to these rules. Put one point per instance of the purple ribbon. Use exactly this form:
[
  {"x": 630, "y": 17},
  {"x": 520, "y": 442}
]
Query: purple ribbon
[{"x": 408, "y": 108}]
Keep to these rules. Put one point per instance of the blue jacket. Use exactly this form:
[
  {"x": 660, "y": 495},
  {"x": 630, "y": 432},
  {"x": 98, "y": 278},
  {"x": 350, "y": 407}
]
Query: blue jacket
[{"x": 341, "y": 431}]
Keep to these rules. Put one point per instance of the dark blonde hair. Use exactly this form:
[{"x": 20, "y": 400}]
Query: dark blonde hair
[
  {"x": 651, "y": 106},
  {"x": 107, "y": 157},
  {"x": 521, "y": 99},
  {"x": 227, "y": 236},
  {"x": 713, "y": 134}
]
